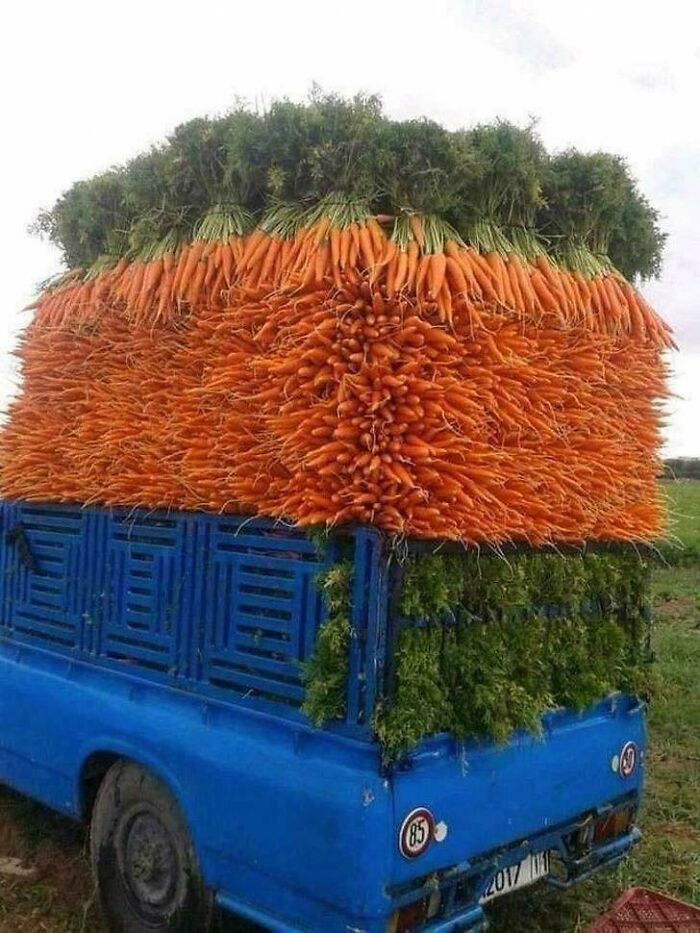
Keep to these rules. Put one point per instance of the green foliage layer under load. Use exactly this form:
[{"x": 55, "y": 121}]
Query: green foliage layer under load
[
  {"x": 488, "y": 645},
  {"x": 496, "y": 184}
]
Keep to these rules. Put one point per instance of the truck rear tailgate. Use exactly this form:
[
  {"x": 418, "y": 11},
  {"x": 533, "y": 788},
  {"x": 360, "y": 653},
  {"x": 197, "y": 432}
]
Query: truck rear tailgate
[{"x": 489, "y": 797}]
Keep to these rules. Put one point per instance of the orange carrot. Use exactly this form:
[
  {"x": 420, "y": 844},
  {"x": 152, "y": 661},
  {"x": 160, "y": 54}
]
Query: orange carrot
[
  {"x": 194, "y": 254},
  {"x": 345, "y": 241},
  {"x": 483, "y": 276},
  {"x": 412, "y": 265},
  {"x": 366, "y": 247},
  {"x": 228, "y": 262},
  {"x": 455, "y": 277},
  {"x": 401, "y": 270},
  {"x": 377, "y": 235},
  {"x": 436, "y": 273},
  {"x": 422, "y": 273},
  {"x": 268, "y": 262},
  {"x": 416, "y": 223},
  {"x": 549, "y": 303},
  {"x": 519, "y": 300},
  {"x": 495, "y": 263}
]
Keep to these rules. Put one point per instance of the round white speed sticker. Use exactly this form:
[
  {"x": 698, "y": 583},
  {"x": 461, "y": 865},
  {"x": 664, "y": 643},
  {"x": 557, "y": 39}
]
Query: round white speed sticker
[
  {"x": 628, "y": 760},
  {"x": 416, "y": 833}
]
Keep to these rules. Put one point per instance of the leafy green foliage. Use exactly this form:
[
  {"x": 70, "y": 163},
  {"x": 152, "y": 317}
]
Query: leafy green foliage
[
  {"x": 87, "y": 218},
  {"x": 432, "y": 587},
  {"x": 592, "y": 200},
  {"x": 420, "y": 166},
  {"x": 637, "y": 241},
  {"x": 512, "y": 163},
  {"x": 488, "y": 645},
  {"x": 496, "y": 174},
  {"x": 500, "y": 642},
  {"x": 325, "y": 145},
  {"x": 326, "y": 671}
]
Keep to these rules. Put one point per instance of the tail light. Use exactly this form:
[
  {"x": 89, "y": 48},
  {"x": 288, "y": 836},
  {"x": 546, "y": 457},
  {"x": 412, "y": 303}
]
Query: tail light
[
  {"x": 414, "y": 915},
  {"x": 614, "y": 825},
  {"x": 602, "y": 830}
]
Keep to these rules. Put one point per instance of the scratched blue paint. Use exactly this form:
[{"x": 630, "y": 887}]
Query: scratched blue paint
[{"x": 176, "y": 639}]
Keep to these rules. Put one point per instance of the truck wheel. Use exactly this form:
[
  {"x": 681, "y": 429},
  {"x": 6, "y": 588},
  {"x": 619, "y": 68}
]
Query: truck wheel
[{"x": 143, "y": 858}]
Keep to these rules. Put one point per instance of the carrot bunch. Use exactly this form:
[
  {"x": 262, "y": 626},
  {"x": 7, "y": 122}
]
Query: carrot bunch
[
  {"x": 520, "y": 279},
  {"x": 159, "y": 279},
  {"x": 208, "y": 266},
  {"x": 142, "y": 287},
  {"x": 349, "y": 398},
  {"x": 414, "y": 263},
  {"x": 268, "y": 251},
  {"x": 78, "y": 295},
  {"x": 337, "y": 241}
]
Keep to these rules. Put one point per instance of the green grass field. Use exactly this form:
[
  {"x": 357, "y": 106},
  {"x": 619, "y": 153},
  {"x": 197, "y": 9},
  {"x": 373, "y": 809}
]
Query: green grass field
[
  {"x": 61, "y": 898},
  {"x": 683, "y": 498}
]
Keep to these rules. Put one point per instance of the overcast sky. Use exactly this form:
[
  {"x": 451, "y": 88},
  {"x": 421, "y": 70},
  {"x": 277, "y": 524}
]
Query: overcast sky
[{"x": 85, "y": 86}]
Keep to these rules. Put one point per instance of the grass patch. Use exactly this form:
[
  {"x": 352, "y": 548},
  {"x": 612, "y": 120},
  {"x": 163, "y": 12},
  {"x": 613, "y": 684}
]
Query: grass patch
[
  {"x": 60, "y": 899},
  {"x": 683, "y": 500}
]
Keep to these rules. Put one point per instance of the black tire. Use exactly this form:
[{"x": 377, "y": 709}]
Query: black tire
[{"x": 143, "y": 858}]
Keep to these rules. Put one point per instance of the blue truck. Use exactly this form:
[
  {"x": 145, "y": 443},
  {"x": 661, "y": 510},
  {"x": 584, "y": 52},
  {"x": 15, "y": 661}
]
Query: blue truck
[{"x": 151, "y": 684}]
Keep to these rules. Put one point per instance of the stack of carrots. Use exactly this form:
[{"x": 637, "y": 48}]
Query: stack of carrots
[{"x": 346, "y": 367}]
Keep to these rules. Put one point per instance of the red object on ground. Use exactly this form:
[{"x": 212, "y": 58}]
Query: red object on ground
[{"x": 642, "y": 911}]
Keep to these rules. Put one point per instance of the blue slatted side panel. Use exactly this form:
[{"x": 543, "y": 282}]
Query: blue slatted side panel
[
  {"x": 369, "y": 624},
  {"x": 227, "y": 606},
  {"x": 46, "y": 607},
  {"x": 143, "y": 592},
  {"x": 262, "y": 609},
  {"x": 194, "y": 563},
  {"x": 94, "y": 568},
  {"x": 8, "y": 565}
]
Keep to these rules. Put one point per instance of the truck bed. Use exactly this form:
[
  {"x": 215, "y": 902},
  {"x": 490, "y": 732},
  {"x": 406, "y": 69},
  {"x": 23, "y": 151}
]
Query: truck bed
[{"x": 176, "y": 641}]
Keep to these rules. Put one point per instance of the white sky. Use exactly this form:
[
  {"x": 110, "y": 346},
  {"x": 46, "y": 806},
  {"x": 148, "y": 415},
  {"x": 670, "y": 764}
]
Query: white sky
[{"x": 86, "y": 85}]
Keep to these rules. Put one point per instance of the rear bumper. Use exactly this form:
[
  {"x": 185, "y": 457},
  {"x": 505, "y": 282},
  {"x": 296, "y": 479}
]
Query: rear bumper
[
  {"x": 605, "y": 856},
  {"x": 462, "y": 887},
  {"x": 471, "y": 918}
]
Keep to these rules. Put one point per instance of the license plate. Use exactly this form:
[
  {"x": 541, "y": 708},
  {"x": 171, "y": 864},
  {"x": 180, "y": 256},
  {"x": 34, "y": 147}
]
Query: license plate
[{"x": 531, "y": 869}]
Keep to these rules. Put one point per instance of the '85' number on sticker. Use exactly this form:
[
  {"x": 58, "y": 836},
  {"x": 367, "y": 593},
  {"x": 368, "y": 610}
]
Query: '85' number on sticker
[{"x": 416, "y": 833}]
